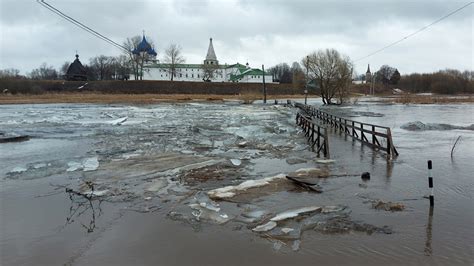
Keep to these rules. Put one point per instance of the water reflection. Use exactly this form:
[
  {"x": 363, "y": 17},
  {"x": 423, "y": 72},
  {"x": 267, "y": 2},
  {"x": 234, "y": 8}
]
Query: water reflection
[{"x": 429, "y": 227}]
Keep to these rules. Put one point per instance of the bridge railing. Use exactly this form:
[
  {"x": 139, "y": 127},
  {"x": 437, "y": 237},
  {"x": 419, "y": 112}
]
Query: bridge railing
[
  {"x": 315, "y": 133},
  {"x": 378, "y": 137}
]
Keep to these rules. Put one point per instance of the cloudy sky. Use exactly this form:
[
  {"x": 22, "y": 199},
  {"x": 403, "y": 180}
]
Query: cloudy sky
[{"x": 258, "y": 31}]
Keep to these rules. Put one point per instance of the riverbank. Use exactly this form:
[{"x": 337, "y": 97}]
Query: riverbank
[{"x": 131, "y": 98}]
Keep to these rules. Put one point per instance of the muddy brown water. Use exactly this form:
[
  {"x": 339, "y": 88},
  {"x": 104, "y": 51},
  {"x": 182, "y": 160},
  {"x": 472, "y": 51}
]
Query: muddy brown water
[{"x": 142, "y": 161}]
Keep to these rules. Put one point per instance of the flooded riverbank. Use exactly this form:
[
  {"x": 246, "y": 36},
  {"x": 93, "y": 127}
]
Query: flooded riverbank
[{"x": 140, "y": 177}]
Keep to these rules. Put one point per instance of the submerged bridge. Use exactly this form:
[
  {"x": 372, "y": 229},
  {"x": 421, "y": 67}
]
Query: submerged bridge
[{"x": 315, "y": 124}]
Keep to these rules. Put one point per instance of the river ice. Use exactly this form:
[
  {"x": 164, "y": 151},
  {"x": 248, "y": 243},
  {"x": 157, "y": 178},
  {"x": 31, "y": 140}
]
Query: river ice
[{"x": 220, "y": 168}]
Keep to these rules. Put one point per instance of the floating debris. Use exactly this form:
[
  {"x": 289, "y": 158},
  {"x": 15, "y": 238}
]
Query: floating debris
[
  {"x": 388, "y": 206},
  {"x": 309, "y": 185},
  {"x": 365, "y": 176}
]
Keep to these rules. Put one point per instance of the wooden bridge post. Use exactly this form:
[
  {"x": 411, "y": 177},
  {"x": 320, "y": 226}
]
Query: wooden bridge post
[
  {"x": 373, "y": 134},
  {"x": 318, "y": 143},
  {"x": 326, "y": 143}
]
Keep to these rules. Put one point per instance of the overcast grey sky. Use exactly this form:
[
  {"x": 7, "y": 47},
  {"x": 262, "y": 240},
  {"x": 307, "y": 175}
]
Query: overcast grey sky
[{"x": 258, "y": 31}]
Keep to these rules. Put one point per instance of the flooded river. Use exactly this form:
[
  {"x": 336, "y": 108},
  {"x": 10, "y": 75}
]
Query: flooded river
[{"x": 204, "y": 184}]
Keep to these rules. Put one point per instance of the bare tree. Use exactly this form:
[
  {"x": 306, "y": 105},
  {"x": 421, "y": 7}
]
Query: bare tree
[
  {"x": 173, "y": 58},
  {"x": 103, "y": 67},
  {"x": 10, "y": 73},
  {"x": 63, "y": 69},
  {"x": 384, "y": 74},
  {"x": 210, "y": 71},
  {"x": 44, "y": 72},
  {"x": 298, "y": 76},
  {"x": 331, "y": 71},
  {"x": 123, "y": 67}
]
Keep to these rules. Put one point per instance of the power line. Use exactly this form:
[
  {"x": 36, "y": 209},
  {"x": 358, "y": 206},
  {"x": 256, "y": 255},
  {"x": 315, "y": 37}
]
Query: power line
[
  {"x": 81, "y": 25},
  {"x": 416, "y": 32}
]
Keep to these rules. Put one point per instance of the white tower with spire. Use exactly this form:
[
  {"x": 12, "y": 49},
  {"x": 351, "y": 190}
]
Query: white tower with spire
[{"x": 211, "y": 58}]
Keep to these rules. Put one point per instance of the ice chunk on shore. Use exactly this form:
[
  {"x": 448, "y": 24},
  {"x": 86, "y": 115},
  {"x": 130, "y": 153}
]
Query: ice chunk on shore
[
  {"x": 265, "y": 227},
  {"x": 294, "y": 213},
  {"x": 231, "y": 191}
]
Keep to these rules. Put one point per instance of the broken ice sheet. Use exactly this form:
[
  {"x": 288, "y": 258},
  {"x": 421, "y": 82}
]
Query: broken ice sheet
[
  {"x": 88, "y": 164},
  {"x": 205, "y": 213},
  {"x": 91, "y": 164}
]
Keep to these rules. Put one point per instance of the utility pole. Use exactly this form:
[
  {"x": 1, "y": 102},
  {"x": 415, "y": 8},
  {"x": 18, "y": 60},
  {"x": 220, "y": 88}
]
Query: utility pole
[
  {"x": 264, "y": 87},
  {"x": 306, "y": 83}
]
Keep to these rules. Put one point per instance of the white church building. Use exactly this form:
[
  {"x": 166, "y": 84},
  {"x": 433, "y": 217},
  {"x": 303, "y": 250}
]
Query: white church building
[{"x": 155, "y": 70}]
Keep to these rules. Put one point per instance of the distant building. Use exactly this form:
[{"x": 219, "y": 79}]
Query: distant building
[
  {"x": 76, "y": 71},
  {"x": 155, "y": 70},
  {"x": 368, "y": 75},
  {"x": 145, "y": 48}
]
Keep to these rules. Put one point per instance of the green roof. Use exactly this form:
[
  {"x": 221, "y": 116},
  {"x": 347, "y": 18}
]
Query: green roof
[
  {"x": 248, "y": 72},
  {"x": 237, "y": 66}
]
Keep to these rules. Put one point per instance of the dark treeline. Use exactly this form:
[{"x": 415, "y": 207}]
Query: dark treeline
[
  {"x": 99, "y": 68},
  {"x": 285, "y": 74},
  {"x": 448, "y": 81}
]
